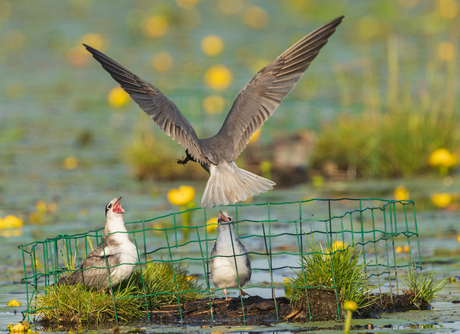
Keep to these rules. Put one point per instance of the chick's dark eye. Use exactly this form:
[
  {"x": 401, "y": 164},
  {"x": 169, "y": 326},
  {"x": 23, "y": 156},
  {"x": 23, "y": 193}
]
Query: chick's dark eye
[{"x": 110, "y": 205}]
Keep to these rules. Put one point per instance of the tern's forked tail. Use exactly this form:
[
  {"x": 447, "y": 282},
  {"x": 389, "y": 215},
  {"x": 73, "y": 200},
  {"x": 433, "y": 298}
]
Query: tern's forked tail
[{"x": 229, "y": 184}]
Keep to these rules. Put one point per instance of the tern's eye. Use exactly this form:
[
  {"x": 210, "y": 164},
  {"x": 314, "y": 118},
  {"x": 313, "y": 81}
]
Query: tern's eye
[{"x": 110, "y": 206}]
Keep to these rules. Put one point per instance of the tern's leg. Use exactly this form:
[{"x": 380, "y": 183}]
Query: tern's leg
[{"x": 225, "y": 293}]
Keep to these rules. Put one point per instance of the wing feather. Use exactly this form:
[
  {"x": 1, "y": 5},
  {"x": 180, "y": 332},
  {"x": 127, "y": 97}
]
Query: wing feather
[
  {"x": 258, "y": 100},
  {"x": 157, "y": 106}
]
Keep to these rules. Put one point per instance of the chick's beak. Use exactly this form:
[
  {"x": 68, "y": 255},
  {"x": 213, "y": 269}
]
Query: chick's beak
[
  {"x": 117, "y": 207},
  {"x": 223, "y": 217}
]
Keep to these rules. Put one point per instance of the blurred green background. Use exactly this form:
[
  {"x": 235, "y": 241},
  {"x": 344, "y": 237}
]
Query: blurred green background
[
  {"x": 375, "y": 115},
  {"x": 365, "y": 119}
]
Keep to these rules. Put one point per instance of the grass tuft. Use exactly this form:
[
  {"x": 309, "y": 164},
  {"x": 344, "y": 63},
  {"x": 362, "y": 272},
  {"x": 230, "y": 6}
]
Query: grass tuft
[
  {"x": 323, "y": 266},
  {"x": 395, "y": 144},
  {"x": 161, "y": 288},
  {"x": 422, "y": 286},
  {"x": 78, "y": 303}
]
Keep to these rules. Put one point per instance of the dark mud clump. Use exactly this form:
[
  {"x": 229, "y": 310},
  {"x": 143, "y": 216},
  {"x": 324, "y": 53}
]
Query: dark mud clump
[
  {"x": 387, "y": 303},
  {"x": 317, "y": 305},
  {"x": 321, "y": 305},
  {"x": 257, "y": 311}
]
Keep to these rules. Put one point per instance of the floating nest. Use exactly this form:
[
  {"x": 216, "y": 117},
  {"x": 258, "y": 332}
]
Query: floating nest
[{"x": 260, "y": 311}]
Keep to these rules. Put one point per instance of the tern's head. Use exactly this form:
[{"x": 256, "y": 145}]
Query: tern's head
[
  {"x": 224, "y": 218},
  {"x": 113, "y": 209}
]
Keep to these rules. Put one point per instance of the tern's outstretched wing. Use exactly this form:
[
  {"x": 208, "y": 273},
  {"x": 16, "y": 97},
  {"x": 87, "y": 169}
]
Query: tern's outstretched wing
[
  {"x": 154, "y": 103},
  {"x": 258, "y": 100}
]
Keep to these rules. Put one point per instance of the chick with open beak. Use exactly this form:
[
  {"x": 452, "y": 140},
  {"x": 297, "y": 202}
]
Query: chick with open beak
[
  {"x": 114, "y": 259},
  {"x": 230, "y": 266}
]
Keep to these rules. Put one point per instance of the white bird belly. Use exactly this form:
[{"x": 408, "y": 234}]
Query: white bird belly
[
  {"x": 223, "y": 272},
  {"x": 128, "y": 262}
]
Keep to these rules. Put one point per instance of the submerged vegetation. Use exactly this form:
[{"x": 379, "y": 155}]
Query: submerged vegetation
[{"x": 158, "y": 283}]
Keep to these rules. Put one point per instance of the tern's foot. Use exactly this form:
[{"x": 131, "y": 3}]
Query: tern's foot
[
  {"x": 182, "y": 161},
  {"x": 242, "y": 293}
]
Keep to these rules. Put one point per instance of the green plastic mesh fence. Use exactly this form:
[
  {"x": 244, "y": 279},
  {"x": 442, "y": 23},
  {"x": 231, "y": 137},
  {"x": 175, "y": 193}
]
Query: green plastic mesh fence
[{"x": 276, "y": 235}]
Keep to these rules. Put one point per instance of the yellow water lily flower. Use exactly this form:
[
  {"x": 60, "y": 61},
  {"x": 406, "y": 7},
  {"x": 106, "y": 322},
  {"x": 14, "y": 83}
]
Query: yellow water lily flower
[
  {"x": 11, "y": 221},
  {"x": 441, "y": 200},
  {"x": 350, "y": 306},
  {"x": 6, "y": 233},
  {"x": 117, "y": 97},
  {"x": 14, "y": 302},
  {"x": 401, "y": 193},
  {"x": 336, "y": 245},
  {"x": 78, "y": 56},
  {"x": 157, "y": 227},
  {"x": 255, "y": 136},
  {"x": 258, "y": 64},
  {"x": 218, "y": 77},
  {"x": 446, "y": 51},
  {"x": 447, "y": 8},
  {"x": 211, "y": 224},
  {"x": 70, "y": 163},
  {"x": 212, "y": 45},
  {"x": 21, "y": 327},
  {"x": 155, "y": 26},
  {"x": 181, "y": 196},
  {"x": 255, "y": 17},
  {"x": 318, "y": 181},
  {"x": 94, "y": 40},
  {"x": 442, "y": 157},
  {"x": 162, "y": 62},
  {"x": 41, "y": 206}
]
